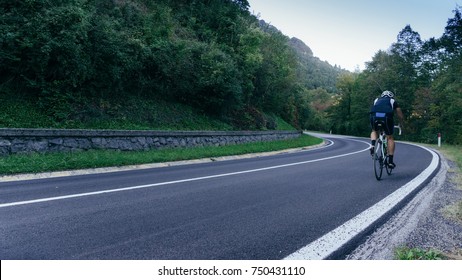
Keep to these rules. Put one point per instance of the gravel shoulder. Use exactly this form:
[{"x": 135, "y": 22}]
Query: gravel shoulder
[{"x": 421, "y": 223}]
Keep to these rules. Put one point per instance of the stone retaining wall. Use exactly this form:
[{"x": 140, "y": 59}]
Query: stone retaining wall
[{"x": 14, "y": 141}]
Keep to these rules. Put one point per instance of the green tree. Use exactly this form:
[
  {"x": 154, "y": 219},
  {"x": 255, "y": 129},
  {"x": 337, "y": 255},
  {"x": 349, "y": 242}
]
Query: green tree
[
  {"x": 408, "y": 46},
  {"x": 446, "y": 106},
  {"x": 451, "y": 40},
  {"x": 341, "y": 113},
  {"x": 275, "y": 79}
]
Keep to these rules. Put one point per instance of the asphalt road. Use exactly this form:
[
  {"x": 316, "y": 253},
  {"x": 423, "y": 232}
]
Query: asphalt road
[{"x": 256, "y": 208}]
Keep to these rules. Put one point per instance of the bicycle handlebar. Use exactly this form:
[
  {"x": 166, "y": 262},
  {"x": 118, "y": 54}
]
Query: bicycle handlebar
[{"x": 399, "y": 128}]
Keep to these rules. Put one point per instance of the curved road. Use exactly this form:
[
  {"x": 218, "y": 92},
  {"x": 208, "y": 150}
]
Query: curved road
[{"x": 270, "y": 207}]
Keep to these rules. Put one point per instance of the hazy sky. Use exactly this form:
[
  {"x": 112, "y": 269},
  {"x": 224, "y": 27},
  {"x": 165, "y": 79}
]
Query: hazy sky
[{"x": 349, "y": 32}]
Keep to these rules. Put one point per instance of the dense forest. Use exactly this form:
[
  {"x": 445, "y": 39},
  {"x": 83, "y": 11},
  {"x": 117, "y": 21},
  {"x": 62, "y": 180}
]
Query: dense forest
[
  {"x": 78, "y": 60},
  {"x": 426, "y": 77},
  {"x": 75, "y": 61}
]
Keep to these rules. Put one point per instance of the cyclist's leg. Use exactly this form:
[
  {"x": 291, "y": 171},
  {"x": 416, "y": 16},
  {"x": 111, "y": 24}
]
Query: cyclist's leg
[
  {"x": 391, "y": 145},
  {"x": 389, "y": 126},
  {"x": 373, "y": 141},
  {"x": 391, "y": 151},
  {"x": 374, "y": 135},
  {"x": 373, "y": 129}
]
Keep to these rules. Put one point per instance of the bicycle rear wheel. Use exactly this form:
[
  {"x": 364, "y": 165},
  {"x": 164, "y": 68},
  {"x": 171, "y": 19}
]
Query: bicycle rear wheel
[{"x": 378, "y": 160}]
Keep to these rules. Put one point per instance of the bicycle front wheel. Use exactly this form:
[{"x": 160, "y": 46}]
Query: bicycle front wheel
[{"x": 378, "y": 160}]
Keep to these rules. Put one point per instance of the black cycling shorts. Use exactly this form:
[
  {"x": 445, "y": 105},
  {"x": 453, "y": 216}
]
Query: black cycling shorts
[{"x": 384, "y": 120}]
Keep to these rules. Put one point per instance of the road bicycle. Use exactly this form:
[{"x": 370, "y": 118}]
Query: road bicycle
[{"x": 380, "y": 155}]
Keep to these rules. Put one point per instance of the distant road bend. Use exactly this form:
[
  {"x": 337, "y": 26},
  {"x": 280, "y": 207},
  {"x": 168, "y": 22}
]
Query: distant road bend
[{"x": 310, "y": 204}]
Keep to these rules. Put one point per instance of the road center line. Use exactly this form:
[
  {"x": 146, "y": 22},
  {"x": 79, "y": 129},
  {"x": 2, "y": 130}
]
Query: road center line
[{"x": 174, "y": 182}]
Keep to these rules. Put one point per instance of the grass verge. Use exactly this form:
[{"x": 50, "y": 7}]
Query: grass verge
[
  {"x": 37, "y": 163},
  {"x": 417, "y": 254}
]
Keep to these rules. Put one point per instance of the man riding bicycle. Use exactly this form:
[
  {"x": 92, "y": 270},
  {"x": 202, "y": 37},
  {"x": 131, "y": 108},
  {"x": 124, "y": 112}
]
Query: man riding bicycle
[{"x": 382, "y": 112}]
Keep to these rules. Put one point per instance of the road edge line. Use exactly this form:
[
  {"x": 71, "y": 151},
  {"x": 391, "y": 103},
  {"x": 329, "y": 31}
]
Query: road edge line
[{"x": 338, "y": 242}]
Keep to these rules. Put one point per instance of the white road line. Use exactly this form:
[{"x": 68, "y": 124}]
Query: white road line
[
  {"x": 173, "y": 182},
  {"x": 328, "y": 244}
]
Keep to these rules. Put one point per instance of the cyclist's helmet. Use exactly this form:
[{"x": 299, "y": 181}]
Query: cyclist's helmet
[{"x": 388, "y": 93}]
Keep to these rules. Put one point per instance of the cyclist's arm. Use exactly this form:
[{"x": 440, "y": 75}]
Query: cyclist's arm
[{"x": 400, "y": 114}]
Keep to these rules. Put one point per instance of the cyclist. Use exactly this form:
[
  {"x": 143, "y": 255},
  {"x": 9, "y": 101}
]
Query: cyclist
[{"x": 383, "y": 111}]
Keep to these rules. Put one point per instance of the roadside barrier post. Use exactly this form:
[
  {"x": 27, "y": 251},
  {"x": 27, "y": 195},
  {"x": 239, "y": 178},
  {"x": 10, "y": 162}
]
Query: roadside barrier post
[{"x": 439, "y": 139}]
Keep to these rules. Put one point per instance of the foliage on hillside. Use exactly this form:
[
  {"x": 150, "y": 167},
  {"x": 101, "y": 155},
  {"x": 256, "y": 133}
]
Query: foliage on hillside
[
  {"x": 81, "y": 60},
  {"x": 190, "y": 64},
  {"x": 424, "y": 75},
  {"x": 313, "y": 72}
]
